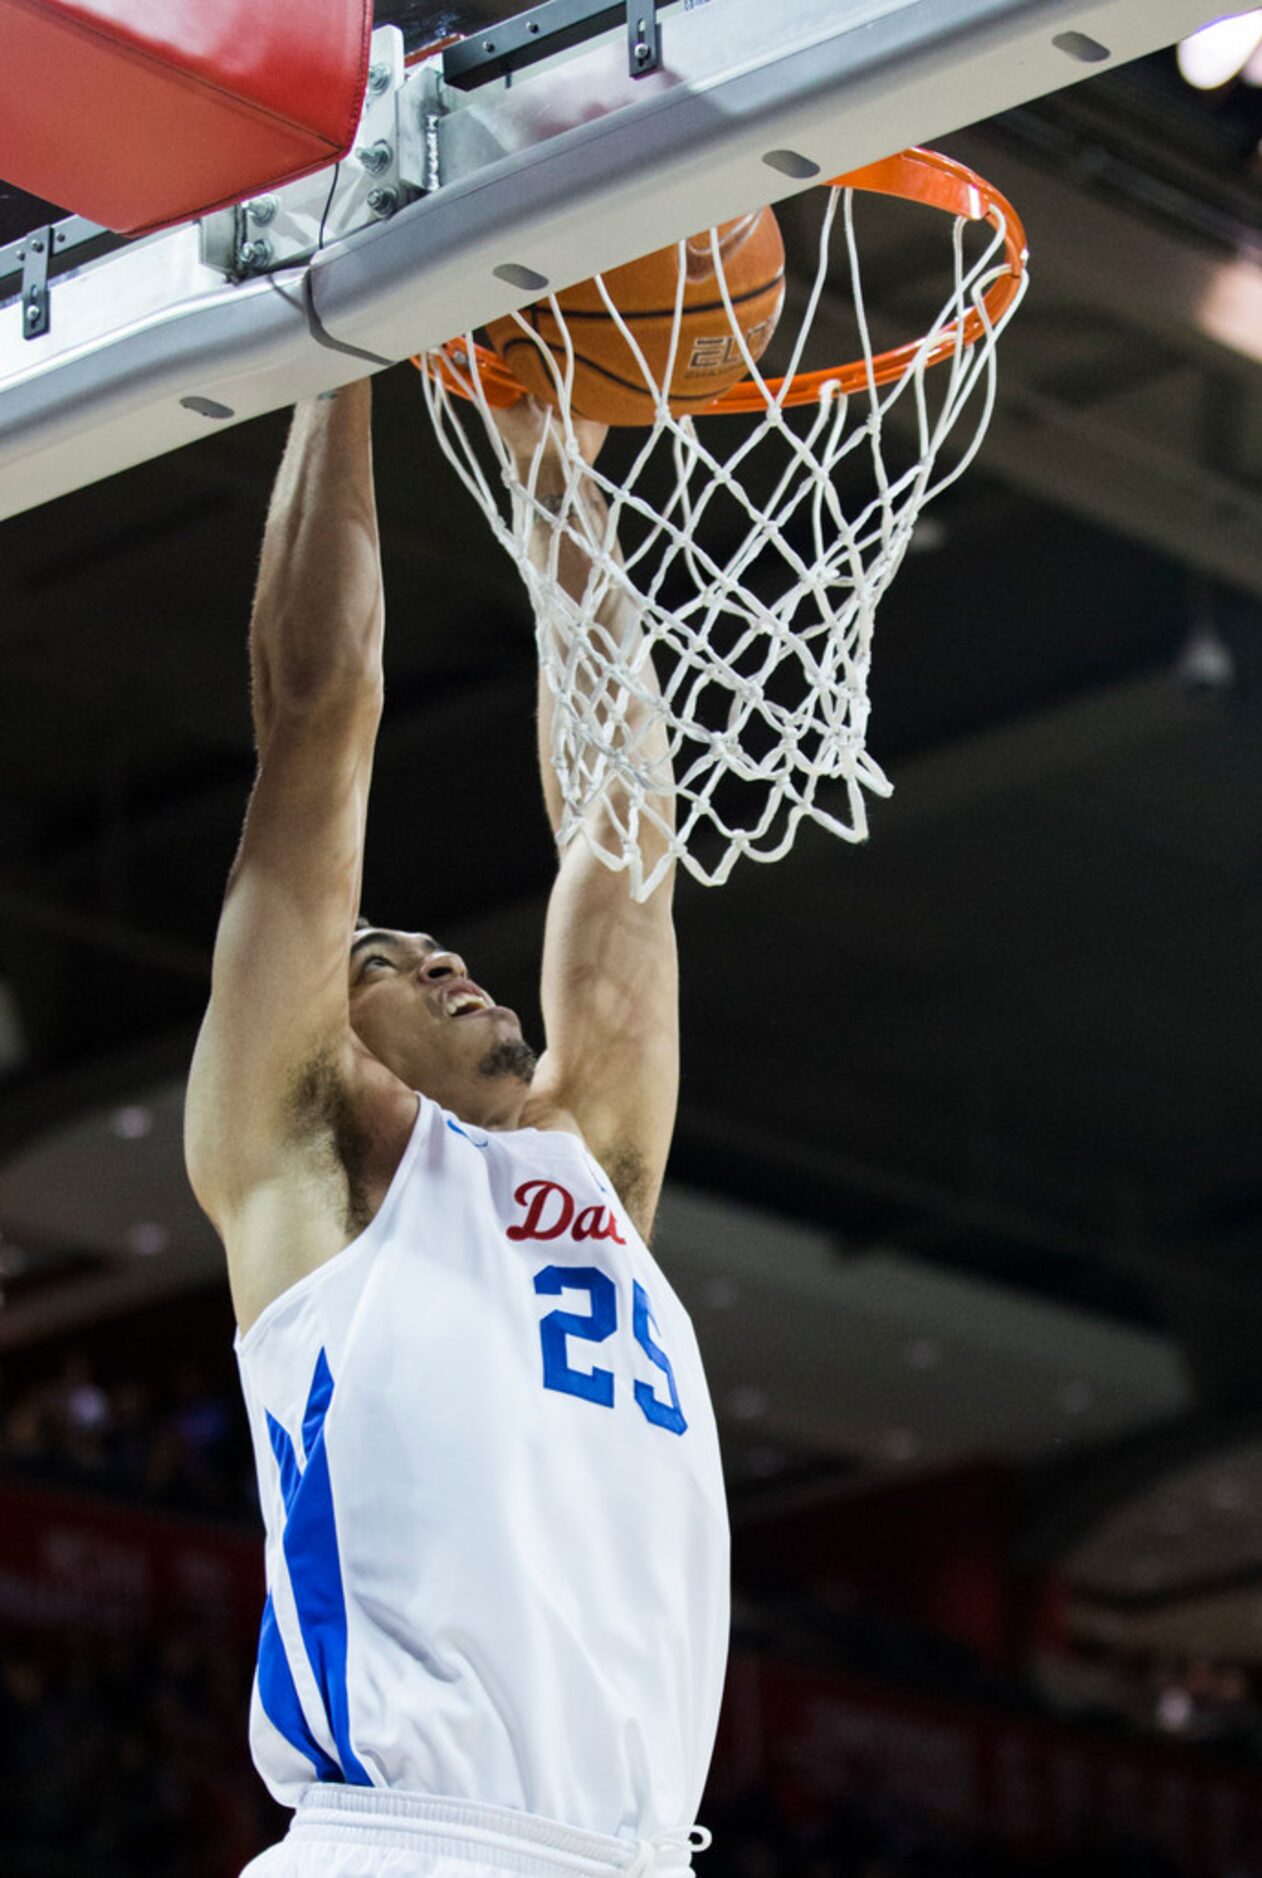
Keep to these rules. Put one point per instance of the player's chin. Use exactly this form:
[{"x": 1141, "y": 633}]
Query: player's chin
[
  {"x": 501, "y": 1022},
  {"x": 504, "y": 1052},
  {"x": 478, "y": 1030}
]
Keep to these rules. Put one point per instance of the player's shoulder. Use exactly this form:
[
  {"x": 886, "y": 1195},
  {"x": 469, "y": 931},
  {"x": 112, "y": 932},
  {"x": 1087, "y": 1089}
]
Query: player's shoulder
[{"x": 350, "y": 1126}]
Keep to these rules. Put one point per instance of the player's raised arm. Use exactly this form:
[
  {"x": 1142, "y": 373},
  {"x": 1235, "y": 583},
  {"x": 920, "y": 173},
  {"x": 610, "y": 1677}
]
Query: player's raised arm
[
  {"x": 610, "y": 977},
  {"x": 276, "y": 1037}
]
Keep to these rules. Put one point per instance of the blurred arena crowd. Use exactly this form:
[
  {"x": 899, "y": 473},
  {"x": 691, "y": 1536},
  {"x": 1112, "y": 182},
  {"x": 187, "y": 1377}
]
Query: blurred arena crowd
[
  {"x": 180, "y": 1444},
  {"x": 128, "y": 1756}
]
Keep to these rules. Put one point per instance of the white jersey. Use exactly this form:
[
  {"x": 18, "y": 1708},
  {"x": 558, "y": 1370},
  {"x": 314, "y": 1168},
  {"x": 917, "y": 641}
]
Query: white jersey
[{"x": 497, "y": 1541}]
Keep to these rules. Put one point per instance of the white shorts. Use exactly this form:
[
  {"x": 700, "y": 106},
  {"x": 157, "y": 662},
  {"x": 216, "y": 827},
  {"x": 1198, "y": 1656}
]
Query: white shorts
[{"x": 373, "y": 1832}]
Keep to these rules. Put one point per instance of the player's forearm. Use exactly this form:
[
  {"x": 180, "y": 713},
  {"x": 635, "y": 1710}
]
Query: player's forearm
[
  {"x": 615, "y": 630},
  {"x": 316, "y": 628}
]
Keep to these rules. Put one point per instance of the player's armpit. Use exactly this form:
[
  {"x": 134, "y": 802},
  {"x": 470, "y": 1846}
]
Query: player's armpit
[
  {"x": 279, "y": 995},
  {"x": 610, "y": 993}
]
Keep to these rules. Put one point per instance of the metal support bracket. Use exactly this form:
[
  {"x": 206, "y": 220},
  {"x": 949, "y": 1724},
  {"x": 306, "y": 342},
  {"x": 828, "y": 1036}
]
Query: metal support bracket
[
  {"x": 644, "y": 37},
  {"x": 29, "y": 265},
  {"x": 36, "y": 301},
  {"x": 555, "y": 26}
]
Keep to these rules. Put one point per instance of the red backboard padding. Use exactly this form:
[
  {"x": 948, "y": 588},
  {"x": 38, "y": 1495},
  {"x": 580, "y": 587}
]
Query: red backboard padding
[{"x": 138, "y": 113}]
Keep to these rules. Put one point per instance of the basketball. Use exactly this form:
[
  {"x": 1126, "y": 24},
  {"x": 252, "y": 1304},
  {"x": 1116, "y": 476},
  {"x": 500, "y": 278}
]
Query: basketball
[{"x": 609, "y": 381}]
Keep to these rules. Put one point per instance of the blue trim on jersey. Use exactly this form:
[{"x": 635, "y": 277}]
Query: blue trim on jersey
[
  {"x": 315, "y": 1574},
  {"x": 317, "y": 1404},
  {"x": 283, "y": 1449},
  {"x": 456, "y": 1129},
  {"x": 279, "y": 1696}
]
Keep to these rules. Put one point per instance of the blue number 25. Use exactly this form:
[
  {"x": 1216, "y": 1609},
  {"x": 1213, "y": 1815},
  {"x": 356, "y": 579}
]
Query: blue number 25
[{"x": 597, "y": 1386}]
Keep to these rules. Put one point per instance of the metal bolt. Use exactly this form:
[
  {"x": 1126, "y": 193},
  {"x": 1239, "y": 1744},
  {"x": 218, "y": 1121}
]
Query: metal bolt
[
  {"x": 383, "y": 202},
  {"x": 262, "y": 209},
  {"x": 254, "y": 253},
  {"x": 32, "y": 312},
  {"x": 37, "y": 247},
  {"x": 641, "y": 51},
  {"x": 378, "y": 78},
  {"x": 375, "y": 157}
]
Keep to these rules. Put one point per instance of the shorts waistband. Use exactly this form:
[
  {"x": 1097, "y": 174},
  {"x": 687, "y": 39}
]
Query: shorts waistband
[{"x": 388, "y": 1816}]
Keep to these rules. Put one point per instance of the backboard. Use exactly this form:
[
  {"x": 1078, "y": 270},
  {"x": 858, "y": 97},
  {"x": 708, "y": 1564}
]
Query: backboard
[{"x": 533, "y": 148}]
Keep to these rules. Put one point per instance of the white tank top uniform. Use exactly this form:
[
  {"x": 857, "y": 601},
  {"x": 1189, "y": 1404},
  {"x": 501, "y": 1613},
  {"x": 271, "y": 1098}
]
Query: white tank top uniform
[{"x": 497, "y": 1548}]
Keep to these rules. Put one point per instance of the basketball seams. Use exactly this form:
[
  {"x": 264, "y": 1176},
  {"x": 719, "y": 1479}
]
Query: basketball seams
[
  {"x": 698, "y": 339},
  {"x": 572, "y": 315},
  {"x": 636, "y": 386}
]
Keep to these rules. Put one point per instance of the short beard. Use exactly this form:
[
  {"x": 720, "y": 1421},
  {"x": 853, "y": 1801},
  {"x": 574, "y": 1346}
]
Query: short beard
[{"x": 509, "y": 1059}]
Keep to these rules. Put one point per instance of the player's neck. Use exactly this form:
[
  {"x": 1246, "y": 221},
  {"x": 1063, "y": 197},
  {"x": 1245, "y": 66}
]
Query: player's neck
[
  {"x": 496, "y": 1109},
  {"x": 491, "y": 1102}
]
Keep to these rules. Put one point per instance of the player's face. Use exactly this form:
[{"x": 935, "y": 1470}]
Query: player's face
[{"x": 416, "y": 1008}]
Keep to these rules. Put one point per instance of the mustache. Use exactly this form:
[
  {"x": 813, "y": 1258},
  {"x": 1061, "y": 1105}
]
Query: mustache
[{"x": 509, "y": 1058}]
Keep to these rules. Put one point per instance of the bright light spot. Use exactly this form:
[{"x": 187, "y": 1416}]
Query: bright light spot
[
  {"x": 1174, "y": 1710},
  {"x": 929, "y": 535},
  {"x": 1206, "y": 661},
  {"x": 720, "y": 1293},
  {"x": 747, "y": 1403},
  {"x": 1230, "y": 310},
  {"x": 1215, "y": 54},
  {"x": 148, "y": 1237},
  {"x": 900, "y": 1444},
  {"x": 130, "y": 1123},
  {"x": 1076, "y": 1397}
]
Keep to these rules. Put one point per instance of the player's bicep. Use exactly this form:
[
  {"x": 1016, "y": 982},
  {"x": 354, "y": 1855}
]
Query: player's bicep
[
  {"x": 279, "y": 995},
  {"x": 611, "y": 1013}
]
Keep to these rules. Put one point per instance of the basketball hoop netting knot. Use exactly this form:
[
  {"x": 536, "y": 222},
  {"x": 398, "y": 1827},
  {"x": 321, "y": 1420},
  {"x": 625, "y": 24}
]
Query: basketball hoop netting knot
[{"x": 733, "y": 571}]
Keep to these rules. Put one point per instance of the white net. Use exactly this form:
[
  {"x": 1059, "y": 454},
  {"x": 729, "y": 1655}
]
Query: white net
[{"x": 724, "y": 620}]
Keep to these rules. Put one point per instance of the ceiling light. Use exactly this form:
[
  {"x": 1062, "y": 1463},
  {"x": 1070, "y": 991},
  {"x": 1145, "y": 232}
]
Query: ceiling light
[
  {"x": 929, "y": 535},
  {"x": 1206, "y": 663},
  {"x": 147, "y": 1237},
  {"x": 900, "y": 1444},
  {"x": 1230, "y": 309},
  {"x": 748, "y": 1403},
  {"x": 1214, "y": 55},
  {"x": 130, "y": 1123}
]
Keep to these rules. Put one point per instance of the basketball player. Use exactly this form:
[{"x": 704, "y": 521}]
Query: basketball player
[{"x": 497, "y": 1550}]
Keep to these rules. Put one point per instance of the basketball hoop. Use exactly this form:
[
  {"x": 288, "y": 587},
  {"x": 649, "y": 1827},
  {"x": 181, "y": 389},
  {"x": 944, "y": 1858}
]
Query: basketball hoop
[{"x": 757, "y": 609}]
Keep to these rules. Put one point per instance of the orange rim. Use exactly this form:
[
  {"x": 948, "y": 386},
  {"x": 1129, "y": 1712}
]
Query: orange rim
[{"x": 917, "y": 176}]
